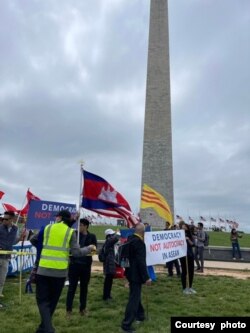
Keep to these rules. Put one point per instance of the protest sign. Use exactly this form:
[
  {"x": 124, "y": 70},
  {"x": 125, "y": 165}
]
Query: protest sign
[
  {"x": 164, "y": 246},
  {"x": 42, "y": 212}
]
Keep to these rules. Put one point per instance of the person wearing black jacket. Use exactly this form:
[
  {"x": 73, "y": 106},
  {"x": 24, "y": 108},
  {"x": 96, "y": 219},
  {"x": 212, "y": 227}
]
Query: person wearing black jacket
[
  {"x": 80, "y": 269},
  {"x": 137, "y": 275}
]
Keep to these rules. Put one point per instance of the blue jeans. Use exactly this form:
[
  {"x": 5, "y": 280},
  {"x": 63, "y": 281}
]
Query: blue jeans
[{"x": 236, "y": 248}]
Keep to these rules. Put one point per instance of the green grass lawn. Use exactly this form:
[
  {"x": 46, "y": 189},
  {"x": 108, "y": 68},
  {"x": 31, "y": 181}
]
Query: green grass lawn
[{"x": 216, "y": 296}]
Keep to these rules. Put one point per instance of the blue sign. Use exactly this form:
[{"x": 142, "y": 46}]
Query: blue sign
[
  {"x": 42, "y": 212},
  {"x": 26, "y": 262}
]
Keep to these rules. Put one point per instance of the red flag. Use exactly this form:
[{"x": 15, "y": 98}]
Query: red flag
[
  {"x": 30, "y": 196},
  {"x": 9, "y": 208},
  {"x": 1, "y": 194}
]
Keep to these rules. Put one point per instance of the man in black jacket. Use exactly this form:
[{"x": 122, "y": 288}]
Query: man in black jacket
[
  {"x": 137, "y": 275},
  {"x": 80, "y": 269}
]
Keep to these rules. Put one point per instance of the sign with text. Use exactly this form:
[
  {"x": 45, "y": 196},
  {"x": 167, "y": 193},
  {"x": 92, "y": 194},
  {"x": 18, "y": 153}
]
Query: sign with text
[
  {"x": 164, "y": 246},
  {"x": 42, "y": 212},
  {"x": 26, "y": 262}
]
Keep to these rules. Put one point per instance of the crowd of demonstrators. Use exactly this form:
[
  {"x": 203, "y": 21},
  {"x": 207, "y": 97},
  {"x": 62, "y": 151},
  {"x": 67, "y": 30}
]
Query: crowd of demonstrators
[
  {"x": 137, "y": 275},
  {"x": 109, "y": 266},
  {"x": 234, "y": 237},
  {"x": 9, "y": 236},
  {"x": 199, "y": 248},
  {"x": 58, "y": 241},
  {"x": 80, "y": 270},
  {"x": 59, "y": 255}
]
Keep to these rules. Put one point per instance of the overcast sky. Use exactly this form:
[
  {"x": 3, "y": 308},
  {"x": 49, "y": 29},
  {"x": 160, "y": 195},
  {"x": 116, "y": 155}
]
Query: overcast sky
[{"x": 72, "y": 88}]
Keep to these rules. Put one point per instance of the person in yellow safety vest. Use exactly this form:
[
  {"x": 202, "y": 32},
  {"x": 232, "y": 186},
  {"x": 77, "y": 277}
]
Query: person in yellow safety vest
[{"x": 59, "y": 241}]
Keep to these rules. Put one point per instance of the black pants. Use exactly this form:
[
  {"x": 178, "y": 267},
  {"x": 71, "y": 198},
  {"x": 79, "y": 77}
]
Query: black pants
[
  {"x": 134, "y": 309},
  {"x": 48, "y": 291},
  {"x": 170, "y": 266},
  {"x": 78, "y": 272},
  {"x": 187, "y": 265},
  {"x": 107, "y": 286}
]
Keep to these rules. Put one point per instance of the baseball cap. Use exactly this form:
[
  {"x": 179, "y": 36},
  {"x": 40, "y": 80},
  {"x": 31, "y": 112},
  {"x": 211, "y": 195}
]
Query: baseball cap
[
  {"x": 65, "y": 214},
  {"x": 109, "y": 232}
]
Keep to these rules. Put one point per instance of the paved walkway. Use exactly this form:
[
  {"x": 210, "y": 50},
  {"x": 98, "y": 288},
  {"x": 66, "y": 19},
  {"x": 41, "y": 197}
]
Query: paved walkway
[
  {"x": 235, "y": 265},
  {"x": 231, "y": 265}
]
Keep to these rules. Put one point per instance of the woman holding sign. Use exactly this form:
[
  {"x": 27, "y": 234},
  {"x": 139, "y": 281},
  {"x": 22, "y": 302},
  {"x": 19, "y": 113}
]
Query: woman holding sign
[{"x": 187, "y": 263}]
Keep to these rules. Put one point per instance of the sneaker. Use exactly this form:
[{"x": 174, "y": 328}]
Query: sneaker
[
  {"x": 234, "y": 258},
  {"x": 241, "y": 258},
  {"x": 199, "y": 270},
  {"x": 2, "y": 295},
  {"x": 192, "y": 291},
  {"x": 186, "y": 291}
]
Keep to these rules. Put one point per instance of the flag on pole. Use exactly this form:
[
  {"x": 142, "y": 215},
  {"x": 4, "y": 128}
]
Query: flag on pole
[
  {"x": 212, "y": 219},
  {"x": 9, "y": 208},
  {"x": 1, "y": 194},
  {"x": 202, "y": 219},
  {"x": 152, "y": 199},
  {"x": 30, "y": 196},
  {"x": 101, "y": 197}
]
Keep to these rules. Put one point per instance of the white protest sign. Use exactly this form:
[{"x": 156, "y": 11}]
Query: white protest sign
[{"x": 164, "y": 246}]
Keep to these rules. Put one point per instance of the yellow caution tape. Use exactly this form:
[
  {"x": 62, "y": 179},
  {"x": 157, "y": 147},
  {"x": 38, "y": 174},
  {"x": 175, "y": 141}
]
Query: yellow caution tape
[{"x": 18, "y": 253}]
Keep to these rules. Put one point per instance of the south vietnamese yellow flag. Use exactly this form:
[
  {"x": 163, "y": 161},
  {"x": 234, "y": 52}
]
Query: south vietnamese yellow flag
[{"x": 153, "y": 199}]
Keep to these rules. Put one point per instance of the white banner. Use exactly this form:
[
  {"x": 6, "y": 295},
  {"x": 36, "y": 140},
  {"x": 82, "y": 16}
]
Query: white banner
[{"x": 164, "y": 246}]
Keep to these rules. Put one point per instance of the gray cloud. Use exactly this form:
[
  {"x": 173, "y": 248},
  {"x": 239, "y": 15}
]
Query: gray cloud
[{"x": 73, "y": 80}]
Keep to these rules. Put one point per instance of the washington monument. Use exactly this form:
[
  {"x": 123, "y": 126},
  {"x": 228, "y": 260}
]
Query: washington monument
[{"x": 157, "y": 165}]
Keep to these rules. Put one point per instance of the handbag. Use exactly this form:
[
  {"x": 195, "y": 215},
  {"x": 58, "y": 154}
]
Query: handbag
[{"x": 119, "y": 272}]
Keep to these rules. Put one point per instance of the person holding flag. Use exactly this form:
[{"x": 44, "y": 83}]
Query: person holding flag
[
  {"x": 80, "y": 270},
  {"x": 8, "y": 237}
]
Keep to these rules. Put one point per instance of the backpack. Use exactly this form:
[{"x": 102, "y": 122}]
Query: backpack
[
  {"x": 122, "y": 255},
  {"x": 206, "y": 241},
  {"x": 102, "y": 254}
]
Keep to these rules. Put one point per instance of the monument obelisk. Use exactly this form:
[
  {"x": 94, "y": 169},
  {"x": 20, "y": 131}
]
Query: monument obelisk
[{"x": 157, "y": 165}]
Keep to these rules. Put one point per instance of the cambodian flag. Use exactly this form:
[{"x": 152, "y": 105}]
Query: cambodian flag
[{"x": 101, "y": 197}]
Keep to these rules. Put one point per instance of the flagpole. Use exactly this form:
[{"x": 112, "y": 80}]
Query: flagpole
[
  {"x": 19, "y": 214},
  {"x": 80, "y": 199}
]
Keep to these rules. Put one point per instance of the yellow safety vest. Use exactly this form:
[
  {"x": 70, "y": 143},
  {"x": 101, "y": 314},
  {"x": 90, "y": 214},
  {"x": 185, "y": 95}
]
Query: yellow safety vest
[{"x": 55, "y": 251}]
